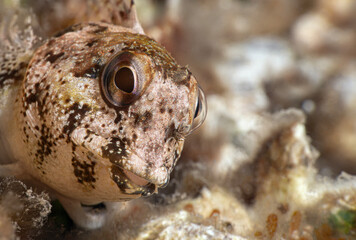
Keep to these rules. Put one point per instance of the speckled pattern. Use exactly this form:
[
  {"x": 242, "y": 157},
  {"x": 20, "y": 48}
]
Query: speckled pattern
[{"x": 69, "y": 136}]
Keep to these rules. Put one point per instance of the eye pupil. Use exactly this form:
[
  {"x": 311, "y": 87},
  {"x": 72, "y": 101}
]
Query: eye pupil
[
  {"x": 197, "y": 109},
  {"x": 125, "y": 79}
]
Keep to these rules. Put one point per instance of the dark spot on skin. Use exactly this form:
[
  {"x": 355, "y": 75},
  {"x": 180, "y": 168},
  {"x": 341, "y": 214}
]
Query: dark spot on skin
[
  {"x": 50, "y": 42},
  {"x": 53, "y": 57},
  {"x": 84, "y": 172},
  {"x": 143, "y": 119},
  {"x": 73, "y": 28},
  {"x": 115, "y": 150},
  {"x": 34, "y": 97},
  {"x": 75, "y": 118},
  {"x": 88, "y": 134},
  {"x": 15, "y": 72},
  {"x": 126, "y": 141},
  {"x": 136, "y": 118},
  {"x": 125, "y": 14},
  {"x": 118, "y": 117},
  {"x": 119, "y": 178},
  {"x": 170, "y": 132},
  {"x": 98, "y": 29},
  {"x": 91, "y": 72},
  {"x": 148, "y": 168},
  {"x": 44, "y": 144},
  {"x": 22, "y": 65},
  {"x": 162, "y": 110},
  {"x": 91, "y": 42},
  {"x": 134, "y": 137},
  {"x": 147, "y": 117}
]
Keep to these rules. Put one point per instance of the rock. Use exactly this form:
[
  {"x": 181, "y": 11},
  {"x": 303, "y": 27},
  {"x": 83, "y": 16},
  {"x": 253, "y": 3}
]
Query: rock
[
  {"x": 26, "y": 209},
  {"x": 333, "y": 122}
]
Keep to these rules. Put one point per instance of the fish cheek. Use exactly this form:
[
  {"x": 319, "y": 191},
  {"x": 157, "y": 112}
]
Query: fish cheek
[
  {"x": 84, "y": 172},
  {"x": 119, "y": 177},
  {"x": 116, "y": 152}
]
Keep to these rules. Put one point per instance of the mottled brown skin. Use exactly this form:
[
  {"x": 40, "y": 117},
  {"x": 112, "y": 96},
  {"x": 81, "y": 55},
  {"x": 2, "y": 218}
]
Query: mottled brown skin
[{"x": 67, "y": 135}]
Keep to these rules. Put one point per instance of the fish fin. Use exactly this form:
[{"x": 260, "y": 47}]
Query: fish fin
[
  {"x": 128, "y": 16},
  {"x": 17, "y": 43},
  {"x": 5, "y": 156},
  {"x": 118, "y": 12},
  {"x": 11, "y": 170}
]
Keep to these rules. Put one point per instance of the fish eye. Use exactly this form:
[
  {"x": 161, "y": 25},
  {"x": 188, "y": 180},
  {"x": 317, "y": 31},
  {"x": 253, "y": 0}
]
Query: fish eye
[
  {"x": 200, "y": 111},
  {"x": 124, "y": 78}
]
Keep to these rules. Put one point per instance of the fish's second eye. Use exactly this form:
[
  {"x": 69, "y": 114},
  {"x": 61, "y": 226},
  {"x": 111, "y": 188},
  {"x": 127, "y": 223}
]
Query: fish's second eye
[
  {"x": 125, "y": 79},
  {"x": 200, "y": 111}
]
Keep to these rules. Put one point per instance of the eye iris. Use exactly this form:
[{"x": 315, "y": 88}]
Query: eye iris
[
  {"x": 200, "y": 111},
  {"x": 125, "y": 79}
]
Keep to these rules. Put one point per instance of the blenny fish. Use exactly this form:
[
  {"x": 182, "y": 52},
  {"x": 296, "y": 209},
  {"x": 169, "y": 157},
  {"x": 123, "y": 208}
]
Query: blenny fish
[{"x": 97, "y": 113}]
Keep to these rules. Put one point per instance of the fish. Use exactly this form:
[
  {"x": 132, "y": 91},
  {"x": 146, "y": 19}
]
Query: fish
[{"x": 97, "y": 113}]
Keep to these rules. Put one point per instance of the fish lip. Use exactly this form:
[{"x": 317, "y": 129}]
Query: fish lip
[
  {"x": 140, "y": 185},
  {"x": 136, "y": 170},
  {"x": 142, "y": 181},
  {"x": 136, "y": 179}
]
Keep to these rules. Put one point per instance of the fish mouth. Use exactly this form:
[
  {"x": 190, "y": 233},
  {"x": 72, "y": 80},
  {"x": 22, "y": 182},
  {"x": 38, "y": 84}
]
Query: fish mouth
[
  {"x": 131, "y": 184},
  {"x": 140, "y": 181}
]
